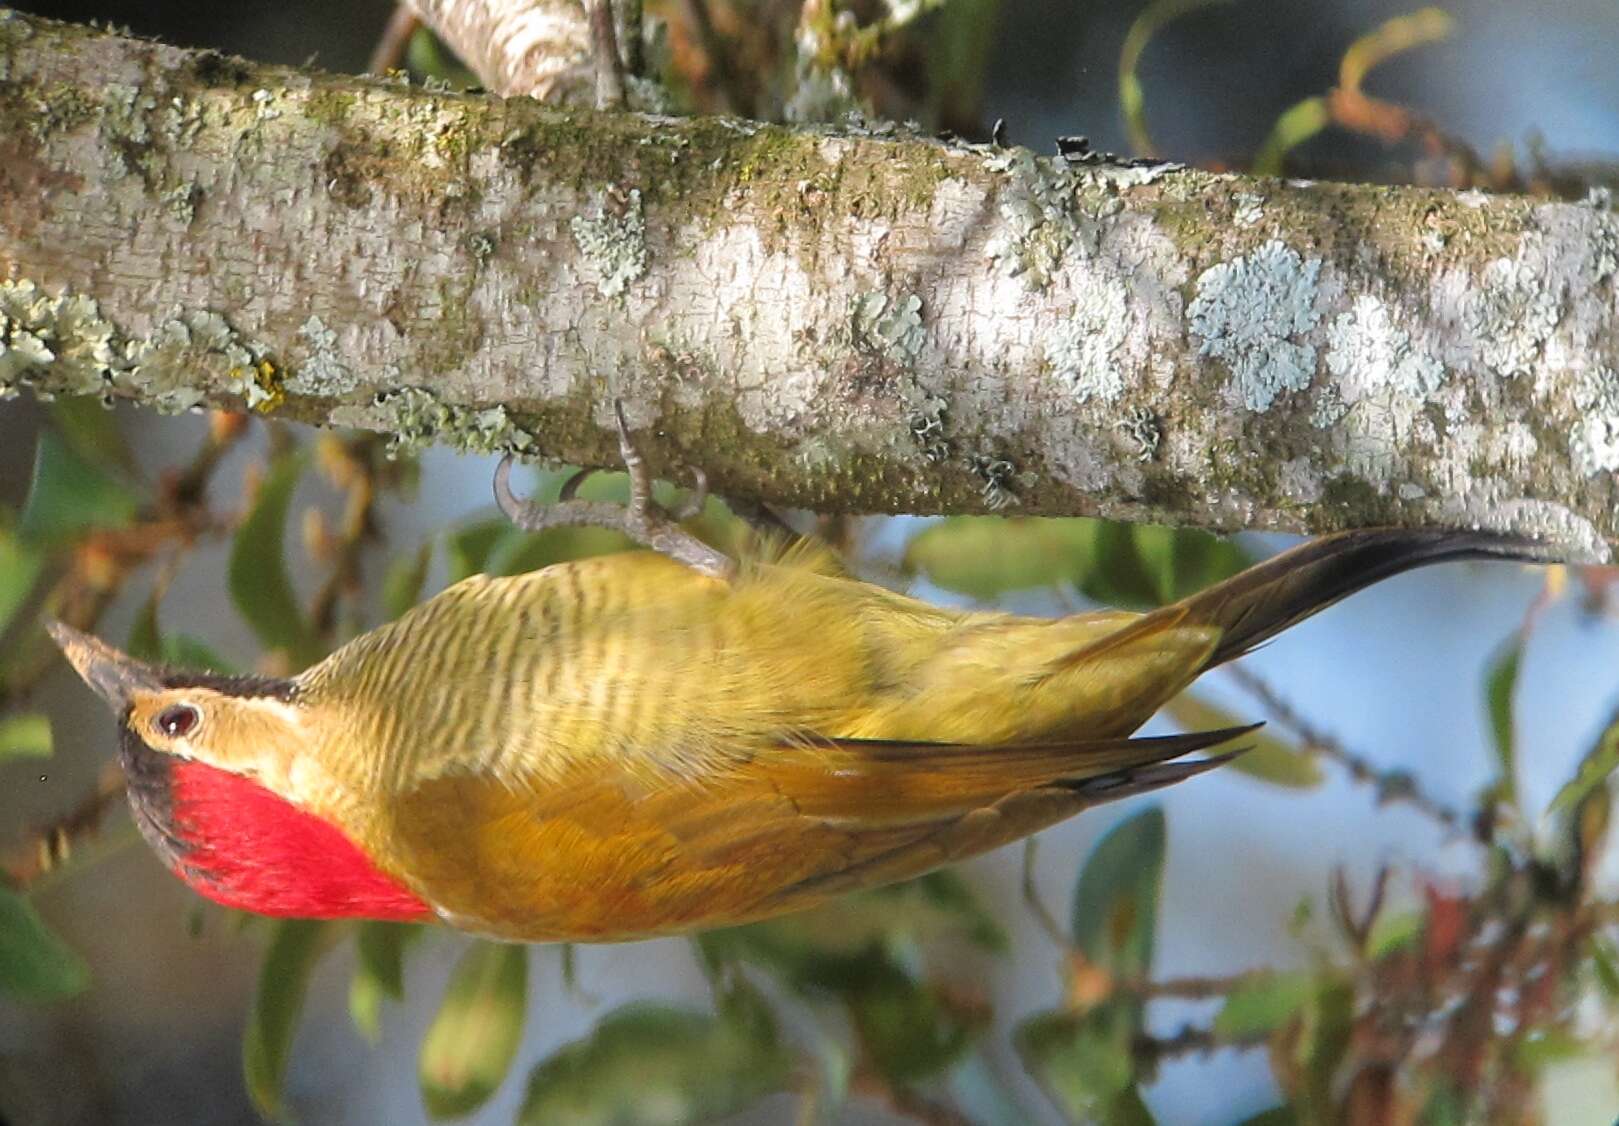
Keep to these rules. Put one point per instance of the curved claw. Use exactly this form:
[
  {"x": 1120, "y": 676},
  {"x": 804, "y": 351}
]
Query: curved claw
[
  {"x": 505, "y": 499},
  {"x": 571, "y": 485},
  {"x": 696, "y": 500}
]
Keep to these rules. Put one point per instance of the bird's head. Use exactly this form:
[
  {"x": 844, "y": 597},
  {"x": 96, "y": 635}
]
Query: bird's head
[{"x": 220, "y": 785}]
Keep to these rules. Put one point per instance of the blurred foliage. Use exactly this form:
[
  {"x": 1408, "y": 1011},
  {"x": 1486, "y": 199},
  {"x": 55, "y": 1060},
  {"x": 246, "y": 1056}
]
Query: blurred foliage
[
  {"x": 473, "y": 1040},
  {"x": 379, "y": 972},
  {"x": 25, "y": 736},
  {"x": 648, "y": 1064},
  {"x": 1423, "y": 1003},
  {"x": 294, "y": 950},
  {"x": 1136, "y": 566},
  {"x": 70, "y": 495},
  {"x": 35, "y": 965},
  {"x": 259, "y": 584},
  {"x": 1132, "y": 97}
]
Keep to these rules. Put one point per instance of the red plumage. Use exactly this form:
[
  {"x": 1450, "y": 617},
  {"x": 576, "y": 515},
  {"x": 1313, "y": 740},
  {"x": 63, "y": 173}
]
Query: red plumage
[{"x": 245, "y": 847}]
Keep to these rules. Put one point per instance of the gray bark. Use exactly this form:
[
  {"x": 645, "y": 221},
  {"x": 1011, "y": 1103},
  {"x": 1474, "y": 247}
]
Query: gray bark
[
  {"x": 851, "y": 321},
  {"x": 536, "y": 47}
]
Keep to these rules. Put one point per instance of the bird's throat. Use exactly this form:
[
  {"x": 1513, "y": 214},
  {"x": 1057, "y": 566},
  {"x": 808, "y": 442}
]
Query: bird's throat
[{"x": 240, "y": 844}]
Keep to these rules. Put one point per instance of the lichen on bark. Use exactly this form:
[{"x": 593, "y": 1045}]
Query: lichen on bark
[{"x": 850, "y": 320}]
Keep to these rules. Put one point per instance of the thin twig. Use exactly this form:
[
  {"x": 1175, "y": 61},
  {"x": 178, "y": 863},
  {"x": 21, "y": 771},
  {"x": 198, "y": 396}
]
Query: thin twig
[
  {"x": 1391, "y": 785},
  {"x": 389, "y": 53},
  {"x": 604, "y": 51},
  {"x": 50, "y": 845},
  {"x": 359, "y": 528},
  {"x": 1036, "y": 903},
  {"x": 1149, "y": 1050}
]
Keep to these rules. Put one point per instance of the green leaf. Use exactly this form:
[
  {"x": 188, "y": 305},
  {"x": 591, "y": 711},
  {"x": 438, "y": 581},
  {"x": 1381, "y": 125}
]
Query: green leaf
[
  {"x": 1201, "y": 560},
  {"x": 1297, "y": 124},
  {"x": 472, "y": 1041},
  {"x": 1500, "y": 683},
  {"x": 92, "y": 430},
  {"x": 148, "y": 642},
  {"x": 402, "y": 585},
  {"x": 184, "y": 651},
  {"x": 1598, "y": 763},
  {"x": 1182, "y": 561},
  {"x": 1113, "y": 570},
  {"x": 25, "y": 736},
  {"x": 35, "y": 965},
  {"x": 70, "y": 496},
  {"x": 1328, "y": 1020},
  {"x": 1082, "y": 1061},
  {"x": 296, "y": 946},
  {"x": 427, "y": 56},
  {"x": 519, "y": 554},
  {"x": 1544, "y": 1047},
  {"x": 1262, "y": 1004},
  {"x": 830, "y": 948},
  {"x": 1268, "y": 758},
  {"x": 469, "y": 546},
  {"x": 20, "y": 565},
  {"x": 1394, "y": 930},
  {"x": 1605, "y": 966},
  {"x": 987, "y": 556},
  {"x": 1085, "y": 1061},
  {"x": 1115, "y": 912},
  {"x": 259, "y": 585},
  {"x": 905, "y": 1026},
  {"x": 1152, "y": 17},
  {"x": 379, "y": 972},
  {"x": 145, "y": 638},
  {"x": 959, "y": 41},
  {"x": 649, "y": 1064}
]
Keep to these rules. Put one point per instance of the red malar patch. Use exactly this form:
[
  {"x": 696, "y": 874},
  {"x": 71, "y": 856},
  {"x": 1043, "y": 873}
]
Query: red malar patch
[{"x": 248, "y": 848}]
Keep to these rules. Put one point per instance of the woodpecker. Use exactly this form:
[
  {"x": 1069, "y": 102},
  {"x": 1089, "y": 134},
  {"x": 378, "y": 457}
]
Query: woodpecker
[{"x": 663, "y": 741}]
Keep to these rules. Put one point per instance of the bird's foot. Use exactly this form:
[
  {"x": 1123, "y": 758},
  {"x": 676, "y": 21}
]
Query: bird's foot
[{"x": 644, "y": 520}]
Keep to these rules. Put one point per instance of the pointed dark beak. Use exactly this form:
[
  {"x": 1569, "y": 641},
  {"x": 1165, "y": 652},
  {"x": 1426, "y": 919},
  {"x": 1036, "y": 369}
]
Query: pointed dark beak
[{"x": 115, "y": 676}]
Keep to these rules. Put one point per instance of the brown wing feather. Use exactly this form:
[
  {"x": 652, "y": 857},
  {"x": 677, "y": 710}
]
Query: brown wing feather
[
  {"x": 606, "y": 857},
  {"x": 879, "y": 782}
]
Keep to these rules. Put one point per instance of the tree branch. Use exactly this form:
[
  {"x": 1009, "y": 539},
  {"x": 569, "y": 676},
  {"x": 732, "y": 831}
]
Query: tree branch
[
  {"x": 540, "y": 48},
  {"x": 843, "y": 321}
]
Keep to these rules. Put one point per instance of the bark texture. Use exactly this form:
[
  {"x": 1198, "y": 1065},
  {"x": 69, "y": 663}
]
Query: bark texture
[
  {"x": 540, "y": 48},
  {"x": 841, "y": 320}
]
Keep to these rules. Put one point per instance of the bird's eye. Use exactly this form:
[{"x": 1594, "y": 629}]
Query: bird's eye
[{"x": 175, "y": 722}]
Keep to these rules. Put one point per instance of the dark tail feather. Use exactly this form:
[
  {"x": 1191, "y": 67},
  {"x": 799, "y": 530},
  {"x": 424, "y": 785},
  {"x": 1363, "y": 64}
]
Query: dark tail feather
[
  {"x": 1145, "y": 779},
  {"x": 1254, "y": 606}
]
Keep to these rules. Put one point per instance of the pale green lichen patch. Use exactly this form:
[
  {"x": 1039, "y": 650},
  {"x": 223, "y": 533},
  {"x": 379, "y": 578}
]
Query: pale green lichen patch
[
  {"x": 1247, "y": 209},
  {"x": 1082, "y": 349},
  {"x": 63, "y": 345},
  {"x": 191, "y": 349},
  {"x": 322, "y": 372},
  {"x": 1511, "y": 314},
  {"x": 893, "y": 328},
  {"x": 1037, "y": 214},
  {"x": 1593, "y": 441},
  {"x": 1374, "y": 357},
  {"x": 416, "y": 418},
  {"x": 614, "y": 245},
  {"x": 1249, "y": 312},
  {"x": 125, "y": 109},
  {"x": 54, "y": 343}
]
